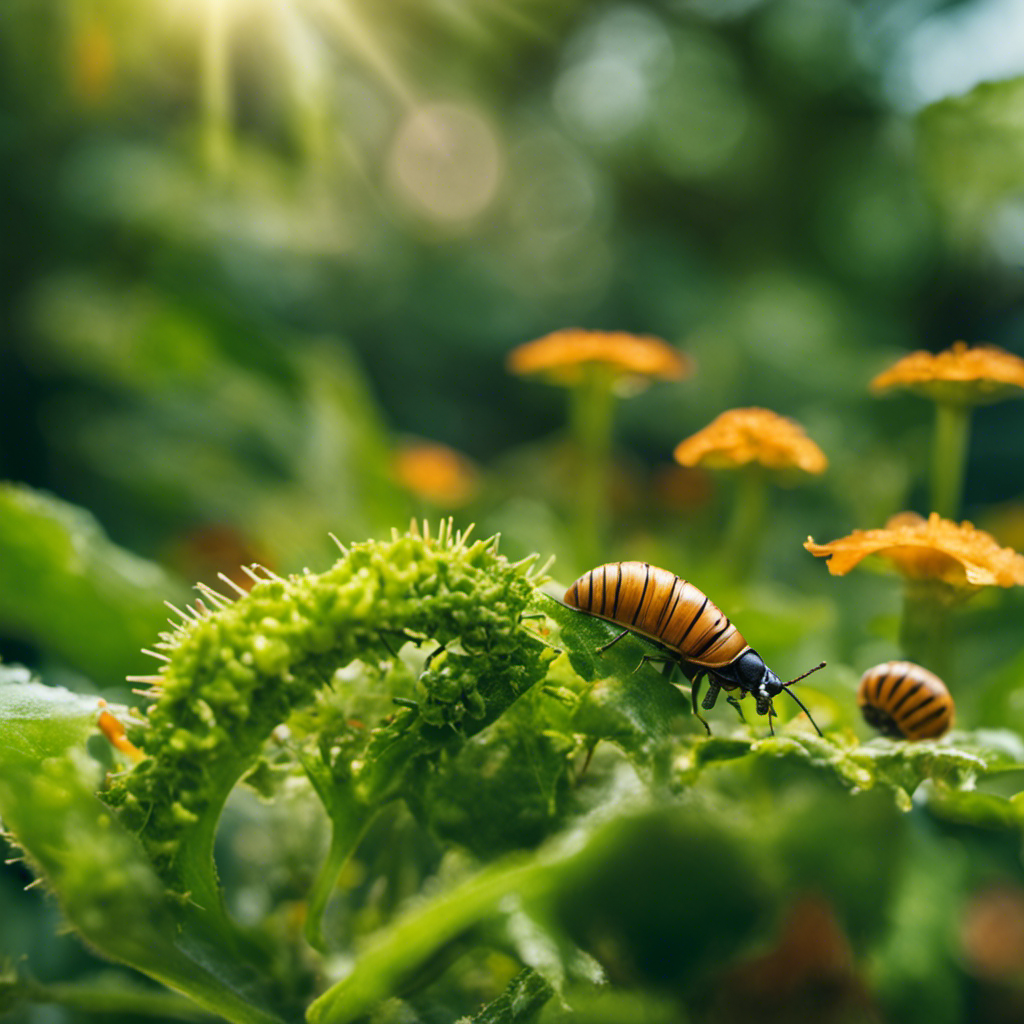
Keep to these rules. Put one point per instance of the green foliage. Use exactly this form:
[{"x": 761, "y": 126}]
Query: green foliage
[
  {"x": 64, "y": 585},
  {"x": 527, "y": 992},
  {"x": 604, "y": 834},
  {"x": 972, "y": 147},
  {"x": 252, "y": 246},
  {"x": 106, "y": 887}
]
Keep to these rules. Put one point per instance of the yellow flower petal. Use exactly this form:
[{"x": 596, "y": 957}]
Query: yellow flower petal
[
  {"x": 562, "y": 356},
  {"x": 742, "y": 436},
  {"x": 934, "y": 549},
  {"x": 968, "y": 376}
]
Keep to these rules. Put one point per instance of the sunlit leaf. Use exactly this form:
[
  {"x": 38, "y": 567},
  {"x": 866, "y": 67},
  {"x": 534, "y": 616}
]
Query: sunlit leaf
[
  {"x": 65, "y": 586},
  {"x": 105, "y": 885}
]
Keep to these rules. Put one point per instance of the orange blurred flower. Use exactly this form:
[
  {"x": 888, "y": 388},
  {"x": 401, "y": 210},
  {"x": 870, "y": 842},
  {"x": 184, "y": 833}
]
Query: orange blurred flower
[
  {"x": 741, "y": 436},
  {"x": 679, "y": 488},
  {"x": 957, "y": 554},
  {"x": 436, "y": 473},
  {"x": 206, "y": 550},
  {"x": 92, "y": 61},
  {"x": 960, "y": 375},
  {"x": 992, "y": 931},
  {"x": 114, "y": 731},
  {"x": 561, "y": 357},
  {"x": 808, "y": 974}
]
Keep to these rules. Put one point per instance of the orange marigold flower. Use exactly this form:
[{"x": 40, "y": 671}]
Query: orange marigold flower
[
  {"x": 962, "y": 375},
  {"x": 928, "y": 549},
  {"x": 741, "y": 436},
  {"x": 561, "y": 357},
  {"x": 436, "y": 473}
]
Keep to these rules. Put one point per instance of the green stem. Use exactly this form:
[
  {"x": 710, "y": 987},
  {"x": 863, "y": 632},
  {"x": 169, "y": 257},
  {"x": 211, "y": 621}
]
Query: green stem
[
  {"x": 949, "y": 457},
  {"x": 196, "y": 873},
  {"x": 925, "y": 633},
  {"x": 215, "y": 84},
  {"x": 415, "y": 936},
  {"x": 349, "y": 823},
  {"x": 591, "y": 412},
  {"x": 743, "y": 535},
  {"x": 110, "y": 998}
]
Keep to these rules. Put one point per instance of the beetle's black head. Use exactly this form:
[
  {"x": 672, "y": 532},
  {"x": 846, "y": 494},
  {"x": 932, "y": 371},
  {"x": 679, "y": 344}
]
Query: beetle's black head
[
  {"x": 756, "y": 678},
  {"x": 759, "y": 680}
]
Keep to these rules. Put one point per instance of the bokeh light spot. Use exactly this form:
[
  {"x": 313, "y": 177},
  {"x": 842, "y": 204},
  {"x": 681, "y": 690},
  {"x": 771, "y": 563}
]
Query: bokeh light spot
[
  {"x": 446, "y": 162},
  {"x": 615, "y": 64}
]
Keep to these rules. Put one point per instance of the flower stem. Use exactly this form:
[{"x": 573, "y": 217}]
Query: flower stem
[
  {"x": 925, "y": 633},
  {"x": 949, "y": 457},
  {"x": 591, "y": 413},
  {"x": 743, "y": 534}
]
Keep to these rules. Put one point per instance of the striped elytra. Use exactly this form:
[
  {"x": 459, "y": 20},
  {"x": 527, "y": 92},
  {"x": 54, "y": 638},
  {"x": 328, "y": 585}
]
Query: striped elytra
[
  {"x": 905, "y": 701},
  {"x": 658, "y": 604},
  {"x": 696, "y": 634}
]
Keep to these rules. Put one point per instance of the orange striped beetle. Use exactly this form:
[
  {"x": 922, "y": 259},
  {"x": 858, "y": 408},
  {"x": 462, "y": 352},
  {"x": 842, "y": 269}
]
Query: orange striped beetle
[
  {"x": 905, "y": 701},
  {"x": 699, "y": 638}
]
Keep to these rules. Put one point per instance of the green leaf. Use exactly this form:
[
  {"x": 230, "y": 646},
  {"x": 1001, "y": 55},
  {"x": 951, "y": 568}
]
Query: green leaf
[
  {"x": 631, "y": 704},
  {"x": 37, "y": 721},
  {"x": 904, "y": 765},
  {"x": 983, "y": 810},
  {"x": 66, "y": 587},
  {"x": 107, "y": 888},
  {"x": 505, "y": 788}
]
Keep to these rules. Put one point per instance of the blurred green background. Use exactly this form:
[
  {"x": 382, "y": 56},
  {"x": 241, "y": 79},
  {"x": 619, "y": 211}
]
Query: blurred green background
[
  {"x": 247, "y": 246},
  {"x": 253, "y": 251}
]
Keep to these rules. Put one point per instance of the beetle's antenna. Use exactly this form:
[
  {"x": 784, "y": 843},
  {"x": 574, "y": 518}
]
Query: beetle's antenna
[
  {"x": 805, "y": 675},
  {"x": 804, "y": 710}
]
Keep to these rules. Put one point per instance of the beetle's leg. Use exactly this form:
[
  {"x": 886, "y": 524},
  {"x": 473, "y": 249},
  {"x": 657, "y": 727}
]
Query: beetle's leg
[
  {"x": 669, "y": 667},
  {"x": 604, "y": 647},
  {"x": 657, "y": 661},
  {"x": 736, "y": 704},
  {"x": 694, "y": 690},
  {"x": 711, "y": 696}
]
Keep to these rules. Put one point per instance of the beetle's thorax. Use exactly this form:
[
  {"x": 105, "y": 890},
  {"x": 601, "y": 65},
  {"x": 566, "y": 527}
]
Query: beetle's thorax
[{"x": 753, "y": 676}]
